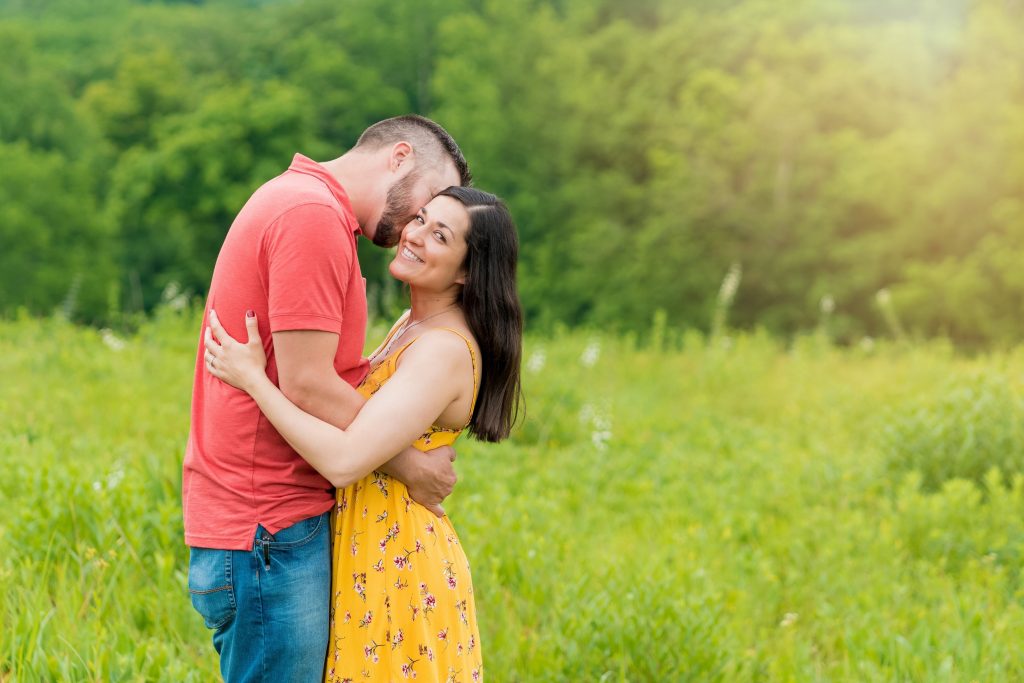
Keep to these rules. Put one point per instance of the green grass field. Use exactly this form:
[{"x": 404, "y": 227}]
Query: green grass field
[{"x": 744, "y": 512}]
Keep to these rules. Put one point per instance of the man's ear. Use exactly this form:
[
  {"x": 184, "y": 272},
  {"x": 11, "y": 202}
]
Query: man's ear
[{"x": 401, "y": 153}]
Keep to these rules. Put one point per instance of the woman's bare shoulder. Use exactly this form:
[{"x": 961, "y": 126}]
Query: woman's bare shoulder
[
  {"x": 451, "y": 351},
  {"x": 446, "y": 342}
]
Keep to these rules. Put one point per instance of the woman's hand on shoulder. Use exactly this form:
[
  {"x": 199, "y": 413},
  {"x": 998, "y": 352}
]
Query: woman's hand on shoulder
[{"x": 240, "y": 364}]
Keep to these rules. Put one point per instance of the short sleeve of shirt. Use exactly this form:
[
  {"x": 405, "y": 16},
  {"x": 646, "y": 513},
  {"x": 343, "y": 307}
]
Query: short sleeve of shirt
[{"x": 308, "y": 255}]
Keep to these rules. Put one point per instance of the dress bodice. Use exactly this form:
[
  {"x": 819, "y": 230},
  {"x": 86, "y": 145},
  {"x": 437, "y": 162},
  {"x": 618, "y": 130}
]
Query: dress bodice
[{"x": 379, "y": 374}]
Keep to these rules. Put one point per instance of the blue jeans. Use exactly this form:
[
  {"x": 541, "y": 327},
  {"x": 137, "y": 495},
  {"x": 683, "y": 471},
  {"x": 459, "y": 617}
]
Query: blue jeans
[{"x": 268, "y": 607}]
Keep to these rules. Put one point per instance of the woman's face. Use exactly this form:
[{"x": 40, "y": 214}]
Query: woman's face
[{"x": 433, "y": 246}]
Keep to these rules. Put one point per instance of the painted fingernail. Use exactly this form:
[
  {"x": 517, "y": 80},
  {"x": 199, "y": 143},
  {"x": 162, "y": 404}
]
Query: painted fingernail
[{"x": 250, "y": 314}]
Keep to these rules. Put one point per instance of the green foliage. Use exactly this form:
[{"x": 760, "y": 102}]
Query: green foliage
[
  {"x": 963, "y": 527},
  {"x": 57, "y": 249},
  {"x": 146, "y": 88},
  {"x": 747, "y": 529},
  {"x": 97, "y": 522},
  {"x": 830, "y": 148},
  {"x": 961, "y": 429},
  {"x": 43, "y": 115},
  {"x": 175, "y": 203}
]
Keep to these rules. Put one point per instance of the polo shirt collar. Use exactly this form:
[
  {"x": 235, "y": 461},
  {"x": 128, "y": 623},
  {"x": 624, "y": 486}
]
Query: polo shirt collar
[{"x": 303, "y": 164}]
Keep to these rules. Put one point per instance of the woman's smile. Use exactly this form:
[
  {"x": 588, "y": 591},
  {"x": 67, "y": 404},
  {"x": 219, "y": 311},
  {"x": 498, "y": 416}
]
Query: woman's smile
[
  {"x": 433, "y": 246},
  {"x": 407, "y": 254}
]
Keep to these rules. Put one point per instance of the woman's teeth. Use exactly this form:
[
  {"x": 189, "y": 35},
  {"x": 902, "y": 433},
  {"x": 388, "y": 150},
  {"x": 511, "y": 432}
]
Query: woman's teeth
[{"x": 411, "y": 256}]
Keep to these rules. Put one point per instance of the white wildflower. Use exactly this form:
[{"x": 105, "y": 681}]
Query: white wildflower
[
  {"x": 113, "y": 342},
  {"x": 173, "y": 297},
  {"x": 730, "y": 284},
  {"x": 789, "y": 619},
  {"x": 726, "y": 293},
  {"x": 591, "y": 354},
  {"x": 599, "y": 424},
  {"x": 536, "y": 362},
  {"x": 115, "y": 477}
]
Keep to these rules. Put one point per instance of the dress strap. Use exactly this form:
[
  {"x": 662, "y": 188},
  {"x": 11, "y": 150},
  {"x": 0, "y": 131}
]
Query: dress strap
[
  {"x": 395, "y": 355},
  {"x": 472, "y": 355}
]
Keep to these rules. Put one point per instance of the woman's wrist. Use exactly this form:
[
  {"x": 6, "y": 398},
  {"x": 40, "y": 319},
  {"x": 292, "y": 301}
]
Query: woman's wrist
[{"x": 257, "y": 387}]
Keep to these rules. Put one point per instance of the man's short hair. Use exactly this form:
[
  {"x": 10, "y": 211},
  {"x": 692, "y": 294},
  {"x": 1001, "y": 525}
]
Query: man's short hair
[{"x": 426, "y": 137}]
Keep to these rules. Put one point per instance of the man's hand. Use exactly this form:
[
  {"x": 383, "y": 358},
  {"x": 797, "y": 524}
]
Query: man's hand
[{"x": 429, "y": 476}]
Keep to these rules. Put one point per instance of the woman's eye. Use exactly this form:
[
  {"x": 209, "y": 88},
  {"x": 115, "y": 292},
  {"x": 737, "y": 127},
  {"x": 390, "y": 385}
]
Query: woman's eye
[
  {"x": 439, "y": 235},
  {"x": 420, "y": 219}
]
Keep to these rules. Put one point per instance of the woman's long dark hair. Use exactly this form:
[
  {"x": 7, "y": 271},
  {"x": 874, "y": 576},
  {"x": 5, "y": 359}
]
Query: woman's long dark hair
[{"x": 490, "y": 302}]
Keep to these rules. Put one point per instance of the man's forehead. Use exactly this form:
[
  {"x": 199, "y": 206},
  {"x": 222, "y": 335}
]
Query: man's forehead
[
  {"x": 439, "y": 178},
  {"x": 446, "y": 176}
]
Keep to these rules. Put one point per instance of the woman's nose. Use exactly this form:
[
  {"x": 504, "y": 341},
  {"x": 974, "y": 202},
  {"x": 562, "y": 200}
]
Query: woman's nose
[{"x": 414, "y": 233}]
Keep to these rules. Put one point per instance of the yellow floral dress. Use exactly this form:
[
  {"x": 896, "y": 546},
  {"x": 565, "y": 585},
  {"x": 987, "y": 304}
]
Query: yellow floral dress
[{"x": 402, "y": 598}]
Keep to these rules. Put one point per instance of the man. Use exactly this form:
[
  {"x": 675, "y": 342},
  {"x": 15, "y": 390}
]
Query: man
[{"x": 256, "y": 514}]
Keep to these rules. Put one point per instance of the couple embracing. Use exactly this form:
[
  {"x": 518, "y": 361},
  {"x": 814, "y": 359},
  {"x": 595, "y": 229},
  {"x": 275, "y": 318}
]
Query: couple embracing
[{"x": 313, "y": 477}]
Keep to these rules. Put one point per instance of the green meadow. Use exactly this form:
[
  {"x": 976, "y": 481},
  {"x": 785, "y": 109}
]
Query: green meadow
[
  {"x": 677, "y": 508},
  {"x": 800, "y": 501}
]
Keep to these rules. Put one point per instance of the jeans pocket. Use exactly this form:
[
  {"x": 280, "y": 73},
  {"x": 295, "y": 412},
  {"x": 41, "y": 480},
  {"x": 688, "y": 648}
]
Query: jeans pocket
[
  {"x": 301, "y": 533},
  {"x": 209, "y": 585}
]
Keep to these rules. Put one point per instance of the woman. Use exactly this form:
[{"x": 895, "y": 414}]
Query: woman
[{"x": 402, "y": 601}]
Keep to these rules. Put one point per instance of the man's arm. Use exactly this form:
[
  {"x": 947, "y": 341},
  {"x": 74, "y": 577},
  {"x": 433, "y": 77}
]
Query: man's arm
[
  {"x": 306, "y": 375},
  {"x": 431, "y": 473}
]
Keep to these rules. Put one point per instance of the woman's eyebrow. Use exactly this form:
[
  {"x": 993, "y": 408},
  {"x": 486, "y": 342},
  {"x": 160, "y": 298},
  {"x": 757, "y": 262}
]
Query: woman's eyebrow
[{"x": 439, "y": 223}]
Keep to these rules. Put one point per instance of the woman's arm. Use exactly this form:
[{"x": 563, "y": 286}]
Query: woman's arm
[{"x": 431, "y": 374}]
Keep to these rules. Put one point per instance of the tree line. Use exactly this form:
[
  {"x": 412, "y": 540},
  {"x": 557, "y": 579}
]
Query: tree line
[{"x": 856, "y": 159}]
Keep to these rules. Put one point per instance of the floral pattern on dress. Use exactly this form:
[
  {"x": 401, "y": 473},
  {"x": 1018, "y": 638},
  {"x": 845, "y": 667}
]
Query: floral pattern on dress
[{"x": 402, "y": 597}]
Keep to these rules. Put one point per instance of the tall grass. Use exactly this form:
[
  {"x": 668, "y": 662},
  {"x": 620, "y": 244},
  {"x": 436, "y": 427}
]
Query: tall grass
[{"x": 761, "y": 512}]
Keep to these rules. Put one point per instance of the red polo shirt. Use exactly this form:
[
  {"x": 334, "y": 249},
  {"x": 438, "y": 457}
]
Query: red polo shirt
[{"x": 290, "y": 256}]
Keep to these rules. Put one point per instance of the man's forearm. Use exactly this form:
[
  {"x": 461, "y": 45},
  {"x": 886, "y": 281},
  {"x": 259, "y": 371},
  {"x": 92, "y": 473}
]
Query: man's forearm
[
  {"x": 402, "y": 466},
  {"x": 331, "y": 399},
  {"x": 306, "y": 375}
]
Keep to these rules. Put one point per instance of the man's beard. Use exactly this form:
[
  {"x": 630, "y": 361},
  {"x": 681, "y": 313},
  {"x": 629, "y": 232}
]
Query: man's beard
[{"x": 398, "y": 210}]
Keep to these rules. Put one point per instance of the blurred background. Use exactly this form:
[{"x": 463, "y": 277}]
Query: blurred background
[
  {"x": 772, "y": 265},
  {"x": 824, "y": 150}
]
